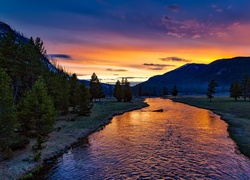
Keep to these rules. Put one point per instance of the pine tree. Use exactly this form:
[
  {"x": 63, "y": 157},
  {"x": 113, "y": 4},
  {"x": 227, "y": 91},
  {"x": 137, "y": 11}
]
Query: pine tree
[
  {"x": 118, "y": 91},
  {"x": 7, "y": 111},
  {"x": 211, "y": 89},
  {"x": 85, "y": 104},
  {"x": 10, "y": 61},
  {"x": 36, "y": 109},
  {"x": 96, "y": 88},
  {"x": 74, "y": 93},
  {"x": 59, "y": 88},
  {"x": 127, "y": 91},
  {"x": 245, "y": 87},
  {"x": 174, "y": 91},
  {"x": 235, "y": 90}
]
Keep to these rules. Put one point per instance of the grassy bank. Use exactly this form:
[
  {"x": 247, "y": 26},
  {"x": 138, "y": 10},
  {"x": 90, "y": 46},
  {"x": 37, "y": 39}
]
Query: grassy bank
[
  {"x": 236, "y": 114},
  {"x": 67, "y": 131}
]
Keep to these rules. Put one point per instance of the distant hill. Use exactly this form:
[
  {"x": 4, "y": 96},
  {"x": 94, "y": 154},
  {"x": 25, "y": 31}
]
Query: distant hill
[{"x": 194, "y": 78}]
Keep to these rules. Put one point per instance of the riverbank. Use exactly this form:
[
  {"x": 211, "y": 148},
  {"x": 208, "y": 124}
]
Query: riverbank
[
  {"x": 236, "y": 114},
  {"x": 67, "y": 131}
]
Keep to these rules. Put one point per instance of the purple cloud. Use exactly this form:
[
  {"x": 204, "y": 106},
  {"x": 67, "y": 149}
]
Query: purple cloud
[
  {"x": 59, "y": 56},
  {"x": 176, "y": 59},
  {"x": 117, "y": 70},
  {"x": 157, "y": 66}
]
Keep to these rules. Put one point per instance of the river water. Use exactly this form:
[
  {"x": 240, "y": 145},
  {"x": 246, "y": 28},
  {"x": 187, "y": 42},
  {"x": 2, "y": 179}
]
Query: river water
[{"x": 182, "y": 142}]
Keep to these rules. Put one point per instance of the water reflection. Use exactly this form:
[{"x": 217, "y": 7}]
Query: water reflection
[{"x": 180, "y": 142}]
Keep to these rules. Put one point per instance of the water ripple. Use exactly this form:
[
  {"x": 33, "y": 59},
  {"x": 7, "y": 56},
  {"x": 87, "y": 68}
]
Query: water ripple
[{"x": 182, "y": 142}]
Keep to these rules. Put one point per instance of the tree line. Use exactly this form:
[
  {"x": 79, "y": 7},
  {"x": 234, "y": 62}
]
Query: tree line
[
  {"x": 122, "y": 90},
  {"x": 164, "y": 92},
  {"x": 240, "y": 89},
  {"x": 237, "y": 89},
  {"x": 31, "y": 93}
]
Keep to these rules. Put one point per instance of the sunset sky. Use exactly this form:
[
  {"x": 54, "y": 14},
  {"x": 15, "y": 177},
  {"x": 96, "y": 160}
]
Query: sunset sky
[{"x": 132, "y": 38}]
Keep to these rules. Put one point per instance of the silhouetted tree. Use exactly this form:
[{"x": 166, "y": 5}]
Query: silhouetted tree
[
  {"x": 174, "y": 91},
  {"x": 211, "y": 89},
  {"x": 118, "y": 94},
  {"x": 245, "y": 87},
  {"x": 36, "y": 109},
  {"x": 235, "y": 90},
  {"x": 127, "y": 91},
  {"x": 7, "y": 111},
  {"x": 74, "y": 93},
  {"x": 59, "y": 90},
  {"x": 96, "y": 88},
  {"x": 85, "y": 102}
]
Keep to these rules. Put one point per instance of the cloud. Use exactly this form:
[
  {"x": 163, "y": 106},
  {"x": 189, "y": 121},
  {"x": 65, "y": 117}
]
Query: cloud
[
  {"x": 59, "y": 56},
  {"x": 176, "y": 59},
  {"x": 157, "y": 66},
  {"x": 167, "y": 18},
  {"x": 79, "y": 74},
  {"x": 131, "y": 77},
  {"x": 173, "y": 7},
  {"x": 117, "y": 70}
]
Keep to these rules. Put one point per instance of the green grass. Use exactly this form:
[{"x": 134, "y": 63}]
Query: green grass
[{"x": 235, "y": 113}]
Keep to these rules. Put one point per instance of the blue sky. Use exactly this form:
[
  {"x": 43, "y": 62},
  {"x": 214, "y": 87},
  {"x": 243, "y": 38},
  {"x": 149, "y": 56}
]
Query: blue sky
[{"x": 133, "y": 38}]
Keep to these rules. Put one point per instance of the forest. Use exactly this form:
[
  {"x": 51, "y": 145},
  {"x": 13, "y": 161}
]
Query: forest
[{"x": 32, "y": 92}]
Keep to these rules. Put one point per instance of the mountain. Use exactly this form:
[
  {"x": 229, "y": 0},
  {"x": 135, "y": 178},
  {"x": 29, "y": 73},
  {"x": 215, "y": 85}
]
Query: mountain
[{"x": 194, "y": 78}]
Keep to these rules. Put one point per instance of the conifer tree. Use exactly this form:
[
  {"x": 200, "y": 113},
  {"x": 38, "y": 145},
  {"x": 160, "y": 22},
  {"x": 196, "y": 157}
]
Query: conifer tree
[
  {"x": 95, "y": 87},
  {"x": 74, "y": 93},
  {"x": 245, "y": 87},
  {"x": 174, "y": 91},
  {"x": 59, "y": 88},
  {"x": 118, "y": 91},
  {"x": 36, "y": 109},
  {"x": 127, "y": 91},
  {"x": 211, "y": 89},
  {"x": 85, "y": 102},
  {"x": 235, "y": 90},
  {"x": 7, "y": 111}
]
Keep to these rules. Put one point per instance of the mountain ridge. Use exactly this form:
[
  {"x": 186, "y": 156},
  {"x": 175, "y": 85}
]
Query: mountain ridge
[{"x": 194, "y": 78}]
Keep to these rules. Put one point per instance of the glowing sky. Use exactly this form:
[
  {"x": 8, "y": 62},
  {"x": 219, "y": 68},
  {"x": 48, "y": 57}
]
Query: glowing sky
[{"x": 132, "y": 38}]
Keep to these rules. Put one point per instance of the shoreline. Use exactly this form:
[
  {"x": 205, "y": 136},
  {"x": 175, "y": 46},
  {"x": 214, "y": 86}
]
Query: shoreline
[
  {"x": 237, "y": 126},
  {"x": 68, "y": 131}
]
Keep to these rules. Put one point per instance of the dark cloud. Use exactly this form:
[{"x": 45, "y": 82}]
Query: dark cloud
[
  {"x": 59, "y": 56},
  {"x": 173, "y": 7},
  {"x": 78, "y": 74},
  {"x": 167, "y": 18},
  {"x": 116, "y": 70},
  {"x": 176, "y": 59},
  {"x": 130, "y": 77},
  {"x": 156, "y": 69},
  {"x": 157, "y": 66}
]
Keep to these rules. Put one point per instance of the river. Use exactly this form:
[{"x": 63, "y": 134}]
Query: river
[{"x": 182, "y": 142}]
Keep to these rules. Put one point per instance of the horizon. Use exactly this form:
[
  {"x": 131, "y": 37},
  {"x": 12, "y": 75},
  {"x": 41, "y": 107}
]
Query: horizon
[{"x": 114, "y": 40}]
